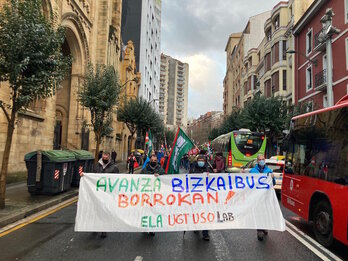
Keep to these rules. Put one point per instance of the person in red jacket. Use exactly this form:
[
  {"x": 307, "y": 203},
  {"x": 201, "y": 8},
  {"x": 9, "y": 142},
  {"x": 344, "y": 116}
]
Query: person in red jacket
[
  {"x": 219, "y": 163},
  {"x": 131, "y": 161}
]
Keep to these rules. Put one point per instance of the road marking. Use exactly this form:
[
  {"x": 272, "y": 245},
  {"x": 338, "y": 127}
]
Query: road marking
[
  {"x": 221, "y": 249},
  {"x": 138, "y": 258},
  {"x": 299, "y": 235},
  {"x": 33, "y": 218}
]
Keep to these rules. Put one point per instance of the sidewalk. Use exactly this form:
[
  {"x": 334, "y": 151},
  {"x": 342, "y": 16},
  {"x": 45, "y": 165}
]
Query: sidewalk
[{"x": 20, "y": 204}]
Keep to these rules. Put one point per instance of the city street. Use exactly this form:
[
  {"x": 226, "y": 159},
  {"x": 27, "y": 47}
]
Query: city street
[{"x": 53, "y": 238}]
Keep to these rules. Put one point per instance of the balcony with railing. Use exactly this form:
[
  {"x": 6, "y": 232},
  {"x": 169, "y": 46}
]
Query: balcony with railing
[
  {"x": 320, "y": 80},
  {"x": 319, "y": 45}
]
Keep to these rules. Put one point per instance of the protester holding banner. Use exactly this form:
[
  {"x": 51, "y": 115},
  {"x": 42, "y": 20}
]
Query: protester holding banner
[
  {"x": 105, "y": 165},
  {"x": 261, "y": 167},
  {"x": 153, "y": 167},
  {"x": 201, "y": 166}
]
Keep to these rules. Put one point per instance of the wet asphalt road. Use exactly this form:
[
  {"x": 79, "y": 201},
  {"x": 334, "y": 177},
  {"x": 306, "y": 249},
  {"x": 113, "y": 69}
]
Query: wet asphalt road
[{"x": 53, "y": 238}]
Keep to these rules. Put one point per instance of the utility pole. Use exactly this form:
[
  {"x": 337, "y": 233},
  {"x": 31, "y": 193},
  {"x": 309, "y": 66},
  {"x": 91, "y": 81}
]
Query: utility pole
[{"x": 326, "y": 37}]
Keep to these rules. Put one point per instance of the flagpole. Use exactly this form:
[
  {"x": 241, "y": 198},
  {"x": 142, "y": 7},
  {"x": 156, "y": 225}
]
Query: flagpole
[{"x": 171, "y": 150}]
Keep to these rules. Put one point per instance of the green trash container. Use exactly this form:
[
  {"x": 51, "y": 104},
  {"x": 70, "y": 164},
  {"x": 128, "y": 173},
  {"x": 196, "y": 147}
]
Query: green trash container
[
  {"x": 84, "y": 163},
  {"x": 49, "y": 172}
]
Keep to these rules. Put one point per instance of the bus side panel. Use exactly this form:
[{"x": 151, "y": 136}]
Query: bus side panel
[
  {"x": 338, "y": 195},
  {"x": 293, "y": 196},
  {"x": 297, "y": 192}
]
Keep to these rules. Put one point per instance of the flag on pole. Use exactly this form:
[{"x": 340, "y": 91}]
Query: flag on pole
[
  {"x": 149, "y": 144},
  {"x": 148, "y": 140},
  {"x": 182, "y": 144}
]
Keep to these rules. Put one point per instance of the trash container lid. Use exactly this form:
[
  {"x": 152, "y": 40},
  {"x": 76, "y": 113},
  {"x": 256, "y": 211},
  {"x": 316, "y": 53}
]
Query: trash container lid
[
  {"x": 82, "y": 154},
  {"x": 53, "y": 155}
]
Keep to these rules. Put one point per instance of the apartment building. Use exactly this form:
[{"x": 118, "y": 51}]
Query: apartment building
[
  {"x": 173, "y": 99},
  {"x": 237, "y": 47},
  {"x": 259, "y": 60},
  {"x": 200, "y": 129},
  {"x": 311, "y": 57},
  {"x": 141, "y": 23},
  {"x": 275, "y": 71}
]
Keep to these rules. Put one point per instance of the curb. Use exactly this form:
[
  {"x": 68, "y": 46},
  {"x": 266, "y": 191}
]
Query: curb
[
  {"x": 39, "y": 207},
  {"x": 28, "y": 212}
]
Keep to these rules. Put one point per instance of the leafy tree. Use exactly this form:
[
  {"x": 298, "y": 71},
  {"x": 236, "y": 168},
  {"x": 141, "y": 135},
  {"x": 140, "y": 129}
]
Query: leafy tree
[
  {"x": 100, "y": 94},
  {"x": 215, "y": 132},
  {"x": 233, "y": 122},
  {"x": 267, "y": 115},
  {"x": 31, "y": 62},
  {"x": 138, "y": 114},
  {"x": 168, "y": 136}
]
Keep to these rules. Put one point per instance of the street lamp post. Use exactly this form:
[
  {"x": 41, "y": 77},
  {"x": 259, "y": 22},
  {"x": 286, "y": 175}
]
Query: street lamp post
[{"x": 326, "y": 37}]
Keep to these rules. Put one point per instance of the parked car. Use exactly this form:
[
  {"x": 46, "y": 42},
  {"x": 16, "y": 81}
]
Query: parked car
[{"x": 277, "y": 166}]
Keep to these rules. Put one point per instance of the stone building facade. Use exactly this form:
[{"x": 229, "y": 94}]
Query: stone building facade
[{"x": 92, "y": 36}]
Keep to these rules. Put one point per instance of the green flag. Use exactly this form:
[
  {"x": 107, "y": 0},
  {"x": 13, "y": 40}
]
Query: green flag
[
  {"x": 150, "y": 144},
  {"x": 182, "y": 144}
]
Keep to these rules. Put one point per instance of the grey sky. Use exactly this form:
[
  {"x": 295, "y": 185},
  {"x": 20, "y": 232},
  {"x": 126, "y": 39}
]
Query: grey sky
[{"x": 196, "y": 31}]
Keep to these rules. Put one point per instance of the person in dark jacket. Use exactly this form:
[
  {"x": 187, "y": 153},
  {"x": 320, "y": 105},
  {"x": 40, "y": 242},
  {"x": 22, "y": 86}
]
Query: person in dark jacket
[
  {"x": 261, "y": 167},
  {"x": 201, "y": 166},
  {"x": 153, "y": 167},
  {"x": 131, "y": 161},
  {"x": 219, "y": 163},
  {"x": 100, "y": 154},
  {"x": 113, "y": 156},
  {"x": 105, "y": 165}
]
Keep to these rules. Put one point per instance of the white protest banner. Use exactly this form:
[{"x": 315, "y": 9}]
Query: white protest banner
[{"x": 144, "y": 203}]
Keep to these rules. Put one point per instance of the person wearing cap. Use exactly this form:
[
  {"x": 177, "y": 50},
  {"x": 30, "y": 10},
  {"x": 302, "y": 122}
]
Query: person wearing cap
[
  {"x": 201, "y": 166},
  {"x": 261, "y": 167}
]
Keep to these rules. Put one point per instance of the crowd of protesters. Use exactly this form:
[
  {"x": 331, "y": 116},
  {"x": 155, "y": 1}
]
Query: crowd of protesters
[{"x": 194, "y": 162}]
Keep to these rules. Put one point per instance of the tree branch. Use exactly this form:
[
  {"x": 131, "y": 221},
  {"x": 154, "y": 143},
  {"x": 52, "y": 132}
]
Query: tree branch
[{"x": 6, "y": 113}]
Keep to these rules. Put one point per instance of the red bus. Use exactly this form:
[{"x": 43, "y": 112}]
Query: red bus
[{"x": 315, "y": 182}]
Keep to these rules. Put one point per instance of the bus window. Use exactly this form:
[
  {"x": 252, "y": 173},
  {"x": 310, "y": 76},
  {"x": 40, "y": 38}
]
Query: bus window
[
  {"x": 320, "y": 150},
  {"x": 247, "y": 143}
]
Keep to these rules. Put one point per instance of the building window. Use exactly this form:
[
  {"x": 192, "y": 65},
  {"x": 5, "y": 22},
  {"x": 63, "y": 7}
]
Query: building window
[
  {"x": 275, "y": 82},
  {"x": 347, "y": 53},
  {"x": 309, "y": 40},
  {"x": 284, "y": 49},
  {"x": 276, "y": 22},
  {"x": 346, "y": 10},
  {"x": 325, "y": 103},
  {"x": 269, "y": 34},
  {"x": 309, "y": 79},
  {"x": 275, "y": 53},
  {"x": 284, "y": 80}
]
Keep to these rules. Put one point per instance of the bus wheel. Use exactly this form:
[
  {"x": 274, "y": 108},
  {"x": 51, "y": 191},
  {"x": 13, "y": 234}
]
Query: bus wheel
[{"x": 322, "y": 223}]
